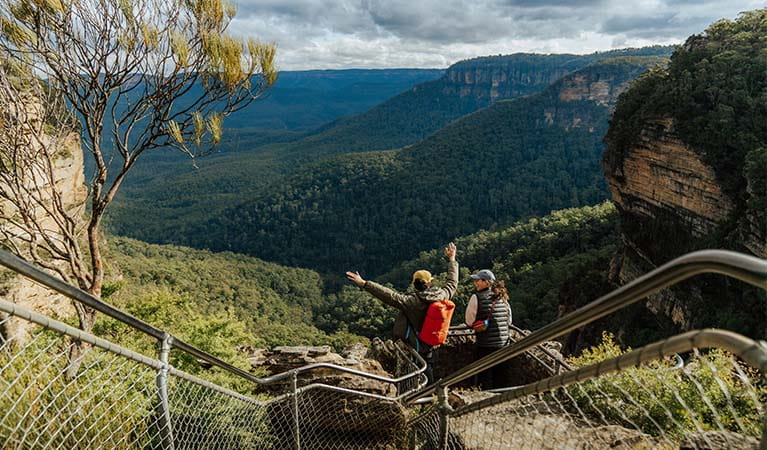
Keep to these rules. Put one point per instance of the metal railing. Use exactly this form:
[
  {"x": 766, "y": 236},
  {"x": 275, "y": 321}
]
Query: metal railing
[
  {"x": 24, "y": 268},
  {"x": 122, "y": 399},
  {"x": 551, "y": 362},
  {"x": 716, "y": 401},
  {"x": 746, "y": 268}
]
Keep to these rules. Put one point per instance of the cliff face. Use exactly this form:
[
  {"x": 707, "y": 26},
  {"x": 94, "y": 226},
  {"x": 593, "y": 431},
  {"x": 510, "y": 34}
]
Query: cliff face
[
  {"x": 601, "y": 89},
  {"x": 600, "y": 84},
  {"x": 69, "y": 180},
  {"x": 670, "y": 202},
  {"x": 661, "y": 175},
  {"x": 499, "y": 82}
]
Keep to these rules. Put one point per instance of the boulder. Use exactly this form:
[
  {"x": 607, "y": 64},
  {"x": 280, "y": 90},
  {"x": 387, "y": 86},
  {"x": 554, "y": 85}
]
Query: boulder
[
  {"x": 284, "y": 359},
  {"x": 329, "y": 418},
  {"x": 718, "y": 440}
]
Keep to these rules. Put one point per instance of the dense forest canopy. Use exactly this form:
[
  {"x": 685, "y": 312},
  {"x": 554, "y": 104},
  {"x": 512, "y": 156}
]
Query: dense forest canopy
[
  {"x": 254, "y": 164},
  {"x": 715, "y": 90},
  {"x": 514, "y": 159},
  {"x": 210, "y": 299}
]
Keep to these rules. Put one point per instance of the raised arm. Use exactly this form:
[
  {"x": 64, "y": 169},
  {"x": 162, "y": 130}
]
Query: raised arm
[{"x": 452, "y": 271}]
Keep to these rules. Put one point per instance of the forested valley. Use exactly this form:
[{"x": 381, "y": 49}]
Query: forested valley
[{"x": 508, "y": 170}]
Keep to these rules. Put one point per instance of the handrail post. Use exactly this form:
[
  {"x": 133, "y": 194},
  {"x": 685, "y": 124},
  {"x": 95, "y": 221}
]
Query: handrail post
[
  {"x": 166, "y": 429},
  {"x": 444, "y": 410},
  {"x": 296, "y": 424}
]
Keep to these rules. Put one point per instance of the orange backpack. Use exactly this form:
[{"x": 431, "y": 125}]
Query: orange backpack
[{"x": 437, "y": 322}]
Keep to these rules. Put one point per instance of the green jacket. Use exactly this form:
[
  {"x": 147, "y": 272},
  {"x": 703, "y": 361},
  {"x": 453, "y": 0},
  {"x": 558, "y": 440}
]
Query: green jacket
[{"x": 412, "y": 306}]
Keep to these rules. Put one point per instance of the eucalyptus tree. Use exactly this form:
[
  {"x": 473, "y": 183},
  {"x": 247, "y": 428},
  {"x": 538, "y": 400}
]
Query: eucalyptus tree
[{"x": 123, "y": 77}]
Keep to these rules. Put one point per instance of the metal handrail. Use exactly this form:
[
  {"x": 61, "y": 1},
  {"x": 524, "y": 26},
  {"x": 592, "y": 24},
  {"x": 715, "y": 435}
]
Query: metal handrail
[
  {"x": 746, "y": 268},
  {"x": 15, "y": 310},
  {"x": 463, "y": 330},
  {"x": 557, "y": 359},
  {"x": 752, "y": 352},
  {"x": 26, "y": 269}
]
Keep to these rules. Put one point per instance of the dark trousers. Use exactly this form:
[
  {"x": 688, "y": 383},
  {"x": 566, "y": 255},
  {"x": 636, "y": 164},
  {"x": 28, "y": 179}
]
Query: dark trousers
[
  {"x": 494, "y": 377},
  {"x": 429, "y": 358}
]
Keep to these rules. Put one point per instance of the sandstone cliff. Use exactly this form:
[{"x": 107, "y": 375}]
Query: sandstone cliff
[
  {"x": 493, "y": 78},
  {"x": 671, "y": 202},
  {"x": 69, "y": 182},
  {"x": 499, "y": 82},
  {"x": 661, "y": 175}
]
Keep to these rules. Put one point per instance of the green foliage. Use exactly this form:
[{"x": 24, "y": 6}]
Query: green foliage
[
  {"x": 368, "y": 211},
  {"x": 712, "y": 389},
  {"x": 39, "y": 403},
  {"x": 715, "y": 90},
  {"x": 355, "y": 311},
  {"x": 415, "y": 114},
  {"x": 220, "y": 303},
  {"x": 218, "y": 334},
  {"x": 179, "y": 204},
  {"x": 535, "y": 258},
  {"x": 755, "y": 173}
]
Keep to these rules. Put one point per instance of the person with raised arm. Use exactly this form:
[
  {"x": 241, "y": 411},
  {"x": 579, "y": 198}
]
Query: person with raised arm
[{"x": 413, "y": 306}]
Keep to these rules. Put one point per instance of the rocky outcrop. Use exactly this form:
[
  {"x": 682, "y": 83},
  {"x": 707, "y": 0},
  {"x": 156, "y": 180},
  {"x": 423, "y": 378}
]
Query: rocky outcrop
[
  {"x": 666, "y": 196},
  {"x": 718, "y": 440},
  {"x": 499, "y": 81},
  {"x": 670, "y": 203},
  {"x": 539, "y": 424},
  {"x": 460, "y": 348},
  {"x": 599, "y": 89},
  {"x": 284, "y": 359},
  {"x": 69, "y": 181},
  {"x": 661, "y": 173},
  {"x": 332, "y": 418}
]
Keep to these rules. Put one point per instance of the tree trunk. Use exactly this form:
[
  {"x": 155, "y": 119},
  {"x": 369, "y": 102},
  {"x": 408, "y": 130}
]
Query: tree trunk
[{"x": 87, "y": 318}]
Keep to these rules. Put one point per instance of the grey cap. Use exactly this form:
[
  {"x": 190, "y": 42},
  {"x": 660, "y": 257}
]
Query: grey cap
[{"x": 484, "y": 274}]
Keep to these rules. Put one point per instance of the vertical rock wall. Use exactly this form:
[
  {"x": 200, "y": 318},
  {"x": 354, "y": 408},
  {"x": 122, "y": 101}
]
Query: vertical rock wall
[{"x": 69, "y": 179}]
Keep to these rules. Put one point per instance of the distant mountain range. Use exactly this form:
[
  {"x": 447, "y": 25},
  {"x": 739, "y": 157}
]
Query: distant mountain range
[
  {"x": 466, "y": 87},
  {"x": 513, "y": 159}
]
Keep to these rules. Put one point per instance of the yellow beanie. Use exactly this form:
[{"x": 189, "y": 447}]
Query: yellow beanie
[{"x": 423, "y": 275}]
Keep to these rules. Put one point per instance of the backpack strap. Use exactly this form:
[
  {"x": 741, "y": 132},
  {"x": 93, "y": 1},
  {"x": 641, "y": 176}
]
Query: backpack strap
[
  {"x": 407, "y": 335},
  {"x": 492, "y": 308}
]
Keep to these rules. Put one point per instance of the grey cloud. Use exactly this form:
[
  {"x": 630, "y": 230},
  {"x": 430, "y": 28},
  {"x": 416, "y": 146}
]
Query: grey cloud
[
  {"x": 435, "y": 33},
  {"x": 661, "y": 25},
  {"x": 329, "y": 15},
  {"x": 445, "y": 21},
  {"x": 563, "y": 3}
]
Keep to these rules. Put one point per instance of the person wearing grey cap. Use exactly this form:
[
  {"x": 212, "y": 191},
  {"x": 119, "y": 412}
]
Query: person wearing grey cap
[{"x": 489, "y": 314}]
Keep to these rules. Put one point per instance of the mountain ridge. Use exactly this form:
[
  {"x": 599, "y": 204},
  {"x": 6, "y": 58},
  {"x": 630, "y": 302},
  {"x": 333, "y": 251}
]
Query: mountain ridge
[{"x": 348, "y": 209}]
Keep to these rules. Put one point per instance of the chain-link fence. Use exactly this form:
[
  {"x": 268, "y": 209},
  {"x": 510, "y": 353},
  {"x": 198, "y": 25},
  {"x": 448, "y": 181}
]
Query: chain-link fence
[
  {"x": 110, "y": 403},
  {"x": 121, "y": 399},
  {"x": 118, "y": 398},
  {"x": 642, "y": 399}
]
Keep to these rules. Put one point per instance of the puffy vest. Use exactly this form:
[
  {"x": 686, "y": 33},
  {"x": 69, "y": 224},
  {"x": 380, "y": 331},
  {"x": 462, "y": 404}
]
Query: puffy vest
[{"x": 497, "y": 333}]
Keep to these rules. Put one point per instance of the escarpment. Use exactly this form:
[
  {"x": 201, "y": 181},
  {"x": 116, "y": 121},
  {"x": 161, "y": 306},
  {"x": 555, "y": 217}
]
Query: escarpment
[
  {"x": 671, "y": 202},
  {"x": 686, "y": 165},
  {"x": 661, "y": 176},
  {"x": 67, "y": 180}
]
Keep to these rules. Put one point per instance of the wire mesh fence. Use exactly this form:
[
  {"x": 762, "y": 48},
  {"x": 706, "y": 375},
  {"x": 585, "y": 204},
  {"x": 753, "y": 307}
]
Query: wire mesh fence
[
  {"x": 118, "y": 398},
  {"x": 122, "y": 399},
  {"x": 110, "y": 403},
  {"x": 716, "y": 401}
]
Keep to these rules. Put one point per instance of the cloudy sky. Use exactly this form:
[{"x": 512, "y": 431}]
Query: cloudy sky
[{"x": 339, "y": 34}]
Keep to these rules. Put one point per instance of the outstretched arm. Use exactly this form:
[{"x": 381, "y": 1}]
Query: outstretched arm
[{"x": 387, "y": 296}]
